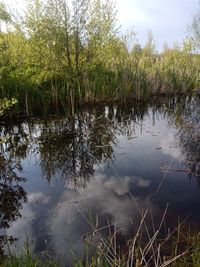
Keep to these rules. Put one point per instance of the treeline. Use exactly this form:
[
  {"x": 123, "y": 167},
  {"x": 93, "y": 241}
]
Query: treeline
[{"x": 59, "y": 54}]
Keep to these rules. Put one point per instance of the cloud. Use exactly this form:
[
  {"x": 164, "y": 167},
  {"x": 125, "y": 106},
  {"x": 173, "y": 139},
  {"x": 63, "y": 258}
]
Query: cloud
[
  {"x": 130, "y": 13},
  {"x": 22, "y": 228},
  {"x": 169, "y": 146},
  {"x": 36, "y": 197},
  {"x": 167, "y": 20},
  {"x": 104, "y": 197}
]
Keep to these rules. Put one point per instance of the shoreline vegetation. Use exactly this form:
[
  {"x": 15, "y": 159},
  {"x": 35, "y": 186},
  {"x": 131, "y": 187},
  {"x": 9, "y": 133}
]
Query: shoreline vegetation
[
  {"x": 54, "y": 55},
  {"x": 150, "y": 245}
]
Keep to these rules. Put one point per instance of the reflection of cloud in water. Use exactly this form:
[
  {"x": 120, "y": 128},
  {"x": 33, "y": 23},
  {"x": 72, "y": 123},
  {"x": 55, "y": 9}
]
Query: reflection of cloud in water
[
  {"x": 38, "y": 197},
  {"x": 66, "y": 222},
  {"x": 170, "y": 146},
  {"x": 107, "y": 197},
  {"x": 22, "y": 227}
]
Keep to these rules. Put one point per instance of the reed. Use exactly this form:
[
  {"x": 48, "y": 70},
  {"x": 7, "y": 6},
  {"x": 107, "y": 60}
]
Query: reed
[
  {"x": 147, "y": 247},
  {"x": 47, "y": 65}
]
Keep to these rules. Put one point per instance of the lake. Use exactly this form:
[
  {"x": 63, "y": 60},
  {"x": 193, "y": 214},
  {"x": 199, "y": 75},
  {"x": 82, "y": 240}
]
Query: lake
[{"x": 62, "y": 177}]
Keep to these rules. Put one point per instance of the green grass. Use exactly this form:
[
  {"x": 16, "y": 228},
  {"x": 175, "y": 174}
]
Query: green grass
[
  {"x": 26, "y": 260},
  {"x": 178, "y": 248},
  {"x": 131, "y": 76},
  {"x": 190, "y": 256},
  {"x": 47, "y": 65}
]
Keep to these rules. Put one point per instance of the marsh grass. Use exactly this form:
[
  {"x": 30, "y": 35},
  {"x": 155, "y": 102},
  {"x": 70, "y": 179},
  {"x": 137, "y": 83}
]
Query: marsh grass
[
  {"x": 148, "y": 246},
  {"x": 179, "y": 247},
  {"x": 151, "y": 243},
  {"x": 47, "y": 64},
  {"x": 27, "y": 259},
  {"x": 140, "y": 76}
]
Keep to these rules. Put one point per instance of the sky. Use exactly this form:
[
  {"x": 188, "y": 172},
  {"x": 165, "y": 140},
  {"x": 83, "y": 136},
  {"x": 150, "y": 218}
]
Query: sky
[{"x": 167, "y": 19}]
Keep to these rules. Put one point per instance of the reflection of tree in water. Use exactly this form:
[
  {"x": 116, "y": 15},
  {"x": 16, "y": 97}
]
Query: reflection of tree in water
[
  {"x": 72, "y": 147},
  {"x": 12, "y": 195},
  {"x": 17, "y": 140},
  {"x": 188, "y": 123},
  {"x": 68, "y": 147}
]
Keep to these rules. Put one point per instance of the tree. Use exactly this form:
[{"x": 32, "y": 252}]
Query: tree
[
  {"x": 149, "y": 47},
  {"x": 194, "y": 31},
  {"x": 4, "y": 14},
  {"x": 137, "y": 49},
  {"x": 12, "y": 196},
  {"x": 102, "y": 42}
]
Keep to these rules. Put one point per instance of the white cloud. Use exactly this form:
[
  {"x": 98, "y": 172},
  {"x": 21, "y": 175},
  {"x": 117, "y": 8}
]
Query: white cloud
[
  {"x": 168, "y": 20},
  {"x": 169, "y": 145},
  {"x": 103, "y": 196},
  {"x": 129, "y": 13},
  {"x": 36, "y": 197},
  {"x": 22, "y": 228}
]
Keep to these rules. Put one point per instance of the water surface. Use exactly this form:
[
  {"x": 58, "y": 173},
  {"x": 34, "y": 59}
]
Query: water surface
[{"x": 63, "y": 177}]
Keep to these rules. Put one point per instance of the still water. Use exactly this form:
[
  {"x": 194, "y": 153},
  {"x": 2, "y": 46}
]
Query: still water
[{"x": 61, "y": 178}]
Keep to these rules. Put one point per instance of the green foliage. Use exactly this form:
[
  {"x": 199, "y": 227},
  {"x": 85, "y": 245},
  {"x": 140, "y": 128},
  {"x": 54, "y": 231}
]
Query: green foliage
[
  {"x": 4, "y": 15},
  {"x": 5, "y": 104},
  {"x": 182, "y": 249},
  {"x": 194, "y": 31},
  {"x": 25, "y": 260},
  {"x": 64, "y": 55}
]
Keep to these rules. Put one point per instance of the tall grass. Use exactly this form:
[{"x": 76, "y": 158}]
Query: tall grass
[
  {"x": 166, "y": 74},
  {"x": 50, "y": 59},
  {"x": 149, "y": 246},
  {"x": 27, "y": 259},
  {"x": 121, "y": 77}
]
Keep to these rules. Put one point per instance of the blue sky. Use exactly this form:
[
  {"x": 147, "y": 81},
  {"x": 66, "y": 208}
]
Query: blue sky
[{"x": 167, "y": 19}]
